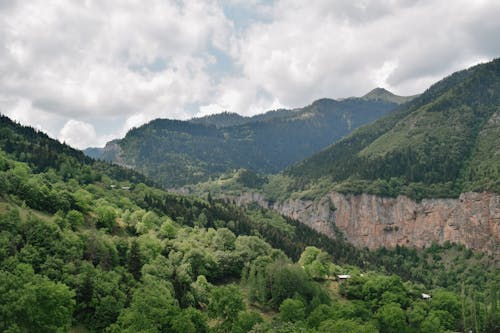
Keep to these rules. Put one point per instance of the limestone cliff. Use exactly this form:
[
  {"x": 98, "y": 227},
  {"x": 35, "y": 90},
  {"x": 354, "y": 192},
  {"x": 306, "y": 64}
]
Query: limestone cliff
[{"x": 371, "y": 221}]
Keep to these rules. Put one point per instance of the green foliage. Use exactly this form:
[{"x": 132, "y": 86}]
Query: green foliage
[
  {"x": 176, "y": 153},
  {"x": 316, "y": 263},
  {"x": 292, "y": 310},
  {"x": 225, "y": 304},
  {"x": 272, "y": 281},
  {"x": 320, "y": 314},
  {"x": 152, "y": 309},
  {"x": 106, "y": 216},
  {"x": 391, "y": 319},
  {"x": 346, "y": 325},
  {"x": 143, "y": 260},
  {"x": 447, "y": 308},
  {"x": 246, "y": 321},
  {"x": 32, "y": 303}
]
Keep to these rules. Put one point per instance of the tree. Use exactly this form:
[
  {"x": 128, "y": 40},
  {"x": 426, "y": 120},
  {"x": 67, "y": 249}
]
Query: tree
[
  {"x": 167, "y": 229},
  {"x": 190, "y": 320},
  {"x": 149, "y": 221},
  {"x": 286, "y": 281},
  {"x": 380, "y": 290},
  {"x": 391, "y": 319},
  {"x": 292, "y": 310},
  {"x": 135, "y": 260},
  {"x": 152, "y": 309},
  {"x": 316, "y": 262},
  {"x": 100, "y": 295},
  {"x": 321, "y": 313},
  {"x": 447, "y": 308},
  {"x": 83, "y": 199},
  {"x": 246, "y": 321},
  {"x": 224, "y": 240},
  {"x": 225, "y": 304},
  {"x": 201, "y": 291},
  {"x": 431, "y": 324},
  {"x": 106, "y": 217},
  {"x": 32, "y": 303},
  {"x": 75, "y": 218}
]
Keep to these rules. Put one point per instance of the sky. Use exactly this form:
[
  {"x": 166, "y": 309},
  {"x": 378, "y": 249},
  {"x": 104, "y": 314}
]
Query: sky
[{"x": 86, "y": 71}]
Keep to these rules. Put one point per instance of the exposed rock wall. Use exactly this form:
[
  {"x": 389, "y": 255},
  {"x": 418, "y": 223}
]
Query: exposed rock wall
[{"x": 372, "y": 221}]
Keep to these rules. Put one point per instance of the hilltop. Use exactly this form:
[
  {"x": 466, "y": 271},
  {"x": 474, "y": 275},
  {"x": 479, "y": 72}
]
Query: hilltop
[{"x": 381, "y": 94}]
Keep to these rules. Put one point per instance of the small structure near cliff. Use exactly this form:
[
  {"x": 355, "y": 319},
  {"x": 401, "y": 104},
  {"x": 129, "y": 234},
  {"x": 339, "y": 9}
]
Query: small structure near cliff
[
  {"x": 426, "y": 296},
  {"x": 343, "y": 277}
]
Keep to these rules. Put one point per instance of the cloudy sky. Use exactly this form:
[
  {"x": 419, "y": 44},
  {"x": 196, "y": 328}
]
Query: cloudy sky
[{"x": 86, "y": 71}]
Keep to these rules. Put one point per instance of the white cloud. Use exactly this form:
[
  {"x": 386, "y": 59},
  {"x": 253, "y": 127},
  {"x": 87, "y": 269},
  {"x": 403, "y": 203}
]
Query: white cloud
[
  {"x": 89, "y": 59},
  {"x": 340, "y": 48},
  {"x": 81, "y": 135},
  {"x": 127, "y": 62}
]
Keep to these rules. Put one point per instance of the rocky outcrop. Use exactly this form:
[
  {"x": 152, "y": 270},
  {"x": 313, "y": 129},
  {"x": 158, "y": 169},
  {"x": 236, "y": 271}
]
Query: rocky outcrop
[
  {"x": 113, "y": 152},
  {"x": 371, "y": 221}
]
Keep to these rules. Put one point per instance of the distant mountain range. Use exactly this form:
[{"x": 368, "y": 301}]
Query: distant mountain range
[
  {"x": 441, "y": 143},
  {"x": 175, "y": 153}
]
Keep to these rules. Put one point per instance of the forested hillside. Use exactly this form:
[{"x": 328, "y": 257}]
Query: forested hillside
[
  {"x": 175, "y": 153},
  {"x": 442, "y": 143},
  {"x": 89, "y": 247}
]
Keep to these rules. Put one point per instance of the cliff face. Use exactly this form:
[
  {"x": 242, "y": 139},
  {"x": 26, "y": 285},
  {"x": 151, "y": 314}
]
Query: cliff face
[{"x": 371, "y": 221}]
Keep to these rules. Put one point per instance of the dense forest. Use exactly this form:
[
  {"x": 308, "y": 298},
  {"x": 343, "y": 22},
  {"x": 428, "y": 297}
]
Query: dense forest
[
  {"x": 90, "y": 247},
  {"x": 440, "y": 144},
  {"x": 175, "y": 153}
]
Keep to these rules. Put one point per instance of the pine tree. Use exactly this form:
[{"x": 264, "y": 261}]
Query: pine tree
[{"x": 135, "y": 260}]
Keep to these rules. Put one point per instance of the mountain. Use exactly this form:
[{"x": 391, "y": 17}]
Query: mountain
[
  {"x": 442, "y": 143},
  {"x": 427, "y": 173},
  {"x": 41, "y": 153},
  {"x": 83, "y": 250},
  {"x": 175, "y": 153},
  {"x": 381, "y": 94}
]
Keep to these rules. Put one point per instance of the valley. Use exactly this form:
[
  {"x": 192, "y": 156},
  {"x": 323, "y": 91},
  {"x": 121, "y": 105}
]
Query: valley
[
  {"x": 350, "y": 238},
  {"x": 265, "y": 166},
  {"x": 177, "y": 153}
]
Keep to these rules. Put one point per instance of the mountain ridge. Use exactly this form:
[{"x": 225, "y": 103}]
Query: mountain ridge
[
  {"x": 433, "y": 141},
  {"x": 177, "y": 152}
]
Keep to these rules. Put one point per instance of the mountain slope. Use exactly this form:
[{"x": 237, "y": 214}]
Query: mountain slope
[
  {"x": 443, "y": 142},
  {"x": 112, "y": 255},
  {"x": 175, "y": 152},
  {"x": 41, "y": 152}
]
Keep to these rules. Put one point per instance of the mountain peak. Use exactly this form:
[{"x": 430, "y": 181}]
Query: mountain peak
[
  {"x": 378, "y": 91},
  {"x": 382, "y": 94}
]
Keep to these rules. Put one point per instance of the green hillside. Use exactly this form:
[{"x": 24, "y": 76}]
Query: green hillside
[
  {"x": 440, "y": 144},
  {"x": 175, "y": 153},
  {"x": 88, "y": 247}
]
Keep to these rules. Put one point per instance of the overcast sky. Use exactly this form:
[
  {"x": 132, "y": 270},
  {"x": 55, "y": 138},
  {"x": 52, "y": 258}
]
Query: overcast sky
[{"x": 87, "y": 71}]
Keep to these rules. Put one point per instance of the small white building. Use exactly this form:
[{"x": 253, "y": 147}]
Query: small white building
[
  {"x": 426, "y": 296},
  {"x": 343, "y": 277}
]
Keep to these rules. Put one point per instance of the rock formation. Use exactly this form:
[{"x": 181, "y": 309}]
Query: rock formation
[{"x": 372, "y": 221}]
